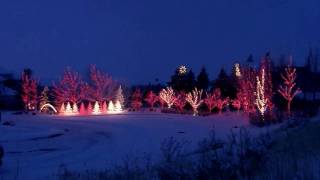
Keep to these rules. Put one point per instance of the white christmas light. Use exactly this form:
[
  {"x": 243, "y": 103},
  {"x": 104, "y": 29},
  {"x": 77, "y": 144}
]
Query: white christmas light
[
  {"x": 96, "y": 109},
  {"x": 261, "y": 101}
]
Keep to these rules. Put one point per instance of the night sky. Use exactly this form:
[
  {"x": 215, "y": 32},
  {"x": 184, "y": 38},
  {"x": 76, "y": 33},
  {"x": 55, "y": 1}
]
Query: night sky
[{"x": 137, "y": 41}]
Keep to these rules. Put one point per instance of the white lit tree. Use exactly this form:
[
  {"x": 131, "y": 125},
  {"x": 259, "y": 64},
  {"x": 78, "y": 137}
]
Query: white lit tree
[
  {"x": 287, "y": 90},
  {"x": 118, "y": 107},
  {"x": 110, "y": 107},
  {"x": 68, "y": 110},
  {"x": 96, "y": 108},
  {"x": 119, "y": 96},
  {"x": 168, "y": 96},
  {"x": 194, "y": 99},
  {"x": 75, "y": 108},
  {"x": 261, "y": 100}
]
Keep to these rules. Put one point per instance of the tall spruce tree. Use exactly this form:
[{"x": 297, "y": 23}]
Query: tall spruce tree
[
  {"x": 182, "y": 81},
  {"x": 203, "y": 79},
  {"x": 226, "y": 84}
]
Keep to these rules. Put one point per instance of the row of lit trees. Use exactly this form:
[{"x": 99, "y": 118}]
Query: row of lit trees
[
  {"x": 254, "y": 92},
  {"x": 72, "y": 89},
  {"x": 179, "y": 99}
]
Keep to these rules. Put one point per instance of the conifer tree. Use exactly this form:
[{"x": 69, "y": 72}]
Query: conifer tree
[
  {"x": 44, "y": 99},
  {"x": 203, "y": 80},
  {"x": 119, "y": 96}
]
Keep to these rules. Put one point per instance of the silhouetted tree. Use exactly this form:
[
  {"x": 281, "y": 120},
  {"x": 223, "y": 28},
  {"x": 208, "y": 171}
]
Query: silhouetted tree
[
  {"x": 226, "y": 84},
  {"x": 203, "y": 79},
  {"x": 182, "y": 82}
]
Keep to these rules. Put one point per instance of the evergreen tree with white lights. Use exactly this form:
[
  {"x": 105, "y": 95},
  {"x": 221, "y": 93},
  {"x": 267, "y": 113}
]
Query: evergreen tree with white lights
[{"x": 119, "y": 96}]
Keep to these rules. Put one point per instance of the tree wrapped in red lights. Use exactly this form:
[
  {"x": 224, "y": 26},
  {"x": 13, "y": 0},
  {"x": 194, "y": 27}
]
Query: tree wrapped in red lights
[
  {"x": 236, "y": 103},
  {"x": 220, "y": 103},
  {"x": 194, "y": 99},
  {"x": 101, "y": 85},
  {"x": 287, "y": 90},
  {"x": 70, "y": 88},
  {"x": 136, "y": 99},
  {"x": 247, "y": 88},
  {"x": 29, "y": 92},
  {"x": 180, "y": 101},
  {"x": 210, "y": 101},
  {"x": 151, "y": 98},
  {"x": 168, "y": 96},
  {"x": 82, "y": 109}
]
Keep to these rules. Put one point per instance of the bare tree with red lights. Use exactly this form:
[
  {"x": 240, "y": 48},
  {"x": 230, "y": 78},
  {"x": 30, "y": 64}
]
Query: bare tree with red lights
[
  {"x": 180, "y": 101},
  {"x": 136, "y": 99},
  {"x": 151, "y": 98},
  {"x": 247, "y": 89},
  {"x": 236, "y": 103},
  {"x": 220, "y": 102},
  {"x": 70, "y": 88},
  {"x": 210, "y": 101},
  {"x": 287, "y": 90},
  {"x": 29, "y": 92},
  {"x": 101, "y": 85}
]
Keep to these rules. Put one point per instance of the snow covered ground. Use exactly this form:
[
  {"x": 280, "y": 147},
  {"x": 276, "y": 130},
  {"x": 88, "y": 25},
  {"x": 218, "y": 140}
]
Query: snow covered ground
[{"x": 37, "y": 146}]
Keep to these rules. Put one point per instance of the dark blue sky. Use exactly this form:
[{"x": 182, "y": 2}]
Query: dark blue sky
[{"x": 139, "y": 40}]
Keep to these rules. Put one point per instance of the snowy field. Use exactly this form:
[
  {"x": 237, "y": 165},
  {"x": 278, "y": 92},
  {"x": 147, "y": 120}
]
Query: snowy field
[{"x": 38, "y": 146}]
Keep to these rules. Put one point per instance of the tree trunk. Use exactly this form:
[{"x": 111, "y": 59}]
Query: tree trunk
[{"x": 289, "y": 107}]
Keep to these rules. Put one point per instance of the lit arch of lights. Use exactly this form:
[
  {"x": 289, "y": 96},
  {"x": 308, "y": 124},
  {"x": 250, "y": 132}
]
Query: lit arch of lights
[{"x": 50, "y": 106}]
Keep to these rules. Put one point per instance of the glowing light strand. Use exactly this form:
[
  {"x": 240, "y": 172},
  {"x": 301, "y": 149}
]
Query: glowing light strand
[
  {"x": 194, "y": 99},
  {"x": 261, "y": 101},
  {"x": 168, "y": 96}
]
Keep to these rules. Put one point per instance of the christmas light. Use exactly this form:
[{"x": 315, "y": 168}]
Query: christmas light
[
  {"x": 182, "y": 70},
  {"x": 194, "y": 99},
  {"x": 68, "y": 110},
  {"x": 111, "y": 107},
  {"x": 82, "y": 110},
  {"x": 261, "y": 101},
  {"x": 48, "y": 106},
  {"x": 151, "y": 99},
  {"x": 237, "y": 70},
  {"x": 118, "y": 107},
  {"x": 96, "y": 108},
  {"x": 29, "y": 92},
  {"x": 287, "y": 89},
  {"x": 104, "y": 107},
  {"x": 75, "y": 109},
  {"x": 62, "y": 109},
  {"x": 167, "y": 95}
]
